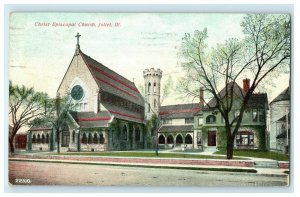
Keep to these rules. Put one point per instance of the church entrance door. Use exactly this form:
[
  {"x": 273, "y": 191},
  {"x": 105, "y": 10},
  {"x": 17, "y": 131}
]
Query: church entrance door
[{"x": 65, "y": 138}]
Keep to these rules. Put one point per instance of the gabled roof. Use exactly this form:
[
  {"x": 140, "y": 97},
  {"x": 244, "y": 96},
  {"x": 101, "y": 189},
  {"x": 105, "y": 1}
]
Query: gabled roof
[
  {"x": 179, "y": 111},
  {"x": 90, "y": 119},
  {"x": 179, "y": 128},
  {"x": 110, "y": 81},
  {"x": 284, "y": 95},
  {"x": 238, "y": 91},
  {"x": 257, "y": 100}
]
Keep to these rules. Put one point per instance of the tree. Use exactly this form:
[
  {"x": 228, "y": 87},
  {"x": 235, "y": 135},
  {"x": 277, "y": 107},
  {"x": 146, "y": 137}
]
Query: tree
[
  {"x": 24, "y": 105},
  {"x": 264, "y": 52},
  {"x": 57, "y": 115}
]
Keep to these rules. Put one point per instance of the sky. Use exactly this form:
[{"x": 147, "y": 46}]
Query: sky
[{"x": 43, "y": 44}]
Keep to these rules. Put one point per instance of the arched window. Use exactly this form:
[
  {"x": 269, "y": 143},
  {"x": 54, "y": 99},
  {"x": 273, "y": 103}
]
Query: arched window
[
  {"x": 84, "y": 139},
  {"x": 47, "y": 138},
  {"x": 170, "y": 139},
  {"x": 43, "y": 138},
  {"x": 73, "y": 136},
  {"x": 90, "y": 141},
  {"x": 154, "y": 87},
  {"x": 137, "y": 134},
  {"x": 149, "y": 87},
  {"x": 188, "y": 139},
  {"x": 210, "y": 119},
  {"x": 179, "y": 139},
  {"x": 38, "y": 139},
  {"x": 34, "y": 138},
  {"x": 95, "y": 138},
  {"x": 161, "y": 139},
  {"x": 101, "y": 138},
  {"x": 124, "y": 132}
]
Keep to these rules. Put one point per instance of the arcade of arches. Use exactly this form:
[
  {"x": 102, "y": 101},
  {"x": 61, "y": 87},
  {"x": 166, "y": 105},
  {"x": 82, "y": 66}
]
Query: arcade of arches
[{"x": 176, "y": 139}]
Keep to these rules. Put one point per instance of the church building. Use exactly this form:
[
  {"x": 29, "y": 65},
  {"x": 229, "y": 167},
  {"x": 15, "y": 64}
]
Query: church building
[{"x": 110, "y": 112}]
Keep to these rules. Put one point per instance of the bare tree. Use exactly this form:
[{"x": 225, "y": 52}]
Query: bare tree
[
  {"x": 264, "y": 52},
  {"x": 24, "y": 105}
]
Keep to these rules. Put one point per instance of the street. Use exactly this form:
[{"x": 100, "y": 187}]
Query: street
[{"x": 38, "y": 173}]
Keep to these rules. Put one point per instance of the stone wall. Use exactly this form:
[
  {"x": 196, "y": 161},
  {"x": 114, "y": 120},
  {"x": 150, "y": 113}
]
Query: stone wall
[{"x": 79, "y": 74}]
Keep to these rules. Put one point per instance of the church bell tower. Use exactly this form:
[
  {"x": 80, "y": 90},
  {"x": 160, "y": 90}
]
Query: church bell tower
[{"x": 152, "y": 79}]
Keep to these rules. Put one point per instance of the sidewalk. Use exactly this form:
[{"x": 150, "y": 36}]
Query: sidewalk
[{"x": 226, "y": 166}]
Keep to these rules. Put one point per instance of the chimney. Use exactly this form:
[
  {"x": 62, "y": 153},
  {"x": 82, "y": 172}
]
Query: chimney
[
  {"x": 201, "y": 97},
  {"x": 246, "y": 84}
]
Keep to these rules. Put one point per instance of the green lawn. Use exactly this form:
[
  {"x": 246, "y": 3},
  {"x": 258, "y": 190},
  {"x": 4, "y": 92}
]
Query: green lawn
[
  {"x": 257, "y": 154},
  {"x": 143, "y": 154}
]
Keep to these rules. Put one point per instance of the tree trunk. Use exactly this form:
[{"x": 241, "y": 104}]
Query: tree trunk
[
  {"x": 11, "y": 144},
  {"x": 58, "y": 142},
  {"x": 229, "y": 150},
  {"x": 230, "y": 144}
]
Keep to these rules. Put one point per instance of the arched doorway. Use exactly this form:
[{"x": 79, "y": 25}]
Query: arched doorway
[
  {"x": 170, "y": 139},
  {"x": 161, "y": 139},
  {"x": 188, "y": 139},
  {"x": 65, "y": 139},
  {"x": 179, "y": 140}
]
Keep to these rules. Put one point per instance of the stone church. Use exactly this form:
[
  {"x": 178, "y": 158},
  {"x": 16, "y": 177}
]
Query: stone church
[{"x": 111, "y": 111}]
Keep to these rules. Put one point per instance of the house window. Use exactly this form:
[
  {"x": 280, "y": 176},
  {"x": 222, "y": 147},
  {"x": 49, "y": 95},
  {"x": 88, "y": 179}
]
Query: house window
[
  {"x": 154, "y": 87},
  {"x": 211, "y": 119},
  {"x": 154, "y": 102},
  {"x": 148, "y": 107},
  {"x": 85, "y": 106},
  {"x": 245, "y": 139},
  {"x": 200, "y": 120},
  {"x": 254, "y": 115},
  {"x": 189, "y": 120}
]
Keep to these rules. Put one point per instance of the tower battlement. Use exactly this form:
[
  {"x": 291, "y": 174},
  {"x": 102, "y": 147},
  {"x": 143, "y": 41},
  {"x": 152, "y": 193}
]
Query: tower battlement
[
  {"x": 152, "y": 79},
  {"x": 152, "y": 72}
]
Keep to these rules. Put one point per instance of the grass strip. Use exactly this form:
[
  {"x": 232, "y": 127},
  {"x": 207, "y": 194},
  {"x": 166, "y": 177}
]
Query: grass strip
[
  {"x": 139, "y": 154},
  {"x": 258, "y": 154}
]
